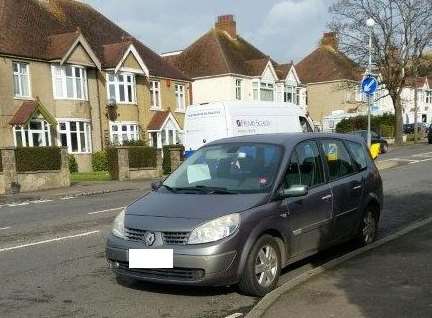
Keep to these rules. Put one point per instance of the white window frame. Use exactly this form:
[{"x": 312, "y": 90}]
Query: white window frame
[
  {"x": 267, "y": 86},
  {"x": 68, "y": 132},
  {"x": 180, "y": 93},
  {"x": 131, "y": 135},
  {"x": 21, "y": 77},
  {"x": 238, "y": 89},
  {"x": 45, "y": 132},
  {"x": 155, "y": 95},
  {"x": 126, "y": 84},
  {"x": 428, "y": 97},
  {"x": 59, "y": 74}
]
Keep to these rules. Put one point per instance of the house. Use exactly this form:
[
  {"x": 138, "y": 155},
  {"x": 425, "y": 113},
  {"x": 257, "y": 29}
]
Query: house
[
  {"x": 71, "y": 77},
  {"x": 225, "y": 67},
  {"x": 424, "y": 100}
]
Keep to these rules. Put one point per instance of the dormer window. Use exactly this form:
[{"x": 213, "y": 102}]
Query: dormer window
[
  {"x": 21, "y": 76},
  {"x": 122, "y": 88},
  {"x": 69, "y": 82}
]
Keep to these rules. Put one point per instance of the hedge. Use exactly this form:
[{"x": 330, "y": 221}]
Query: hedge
[
  {"x": 383, "y": 124},
  {"x": 100, "y": 161},
  {"x": 72, "y": 163},
  {"x": 142, "y": 157},
  {"x": 112, "y": 159},
  {"x": 1, "y": 164},
  {"x": 166, "y": 163},
  {"x": 38, "y": 158}
]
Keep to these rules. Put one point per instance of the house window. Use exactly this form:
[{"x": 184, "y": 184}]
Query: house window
[
  {"x": 75, "y": 136},
  {"x": 238, "y": 89},
  {"x": 289, "y": 93},
  {"x": 180, "y": 97},
  {"x": 255, "y": 90},
  {"x": 123, "y": 131},
  {"x": 21, "y": 77},
  {"x": 121, "y": 88},
  {"x": 69, "y": 82},
  {"x": 155, "y": 94},
  {"x": 297, "y": 96},
  {"x": 267, "y": 92},
  {"x": 35, "y": 134},
  {"x": 428, "y": 97}
]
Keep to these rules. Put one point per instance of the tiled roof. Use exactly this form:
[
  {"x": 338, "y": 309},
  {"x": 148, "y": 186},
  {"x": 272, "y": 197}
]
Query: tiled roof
[
  {"x": 23, "y": 114},
  {"x": 158, "y": 120},
  {"x": 36, "y": 28},
  {"x": 327, "y": 64},
  {"x": 216, "y": 53},
  {"x": 419, "y": 81},
  {"x": 59, "y": 44},
  {"x": 282, "y": 70}
]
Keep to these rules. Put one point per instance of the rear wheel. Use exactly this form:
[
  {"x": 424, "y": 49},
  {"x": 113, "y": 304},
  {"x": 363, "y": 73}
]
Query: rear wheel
[
  {"x": 368, "y": 229},
  {"x": 384, "y": 148},
  {"x": 262, "y": 268}
]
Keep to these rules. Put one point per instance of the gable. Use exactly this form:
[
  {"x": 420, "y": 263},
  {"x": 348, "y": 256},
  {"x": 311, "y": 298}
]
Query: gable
[
  {"x": 268, "y": 74},
  {"x": 80, "y": 56},
  {"x": 131, "y": 62}
]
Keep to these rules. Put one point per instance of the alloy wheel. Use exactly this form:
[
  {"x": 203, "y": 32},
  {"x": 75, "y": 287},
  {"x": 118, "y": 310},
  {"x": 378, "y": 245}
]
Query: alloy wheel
[
  {"x": 266, "y": 266},
  {"x": 369, "y": 228}
]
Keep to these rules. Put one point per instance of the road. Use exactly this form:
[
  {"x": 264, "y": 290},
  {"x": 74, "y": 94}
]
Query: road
[{"x": 52, "y": 254}]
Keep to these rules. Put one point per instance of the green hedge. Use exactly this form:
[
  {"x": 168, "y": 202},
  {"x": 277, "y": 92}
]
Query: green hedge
[
  {"x": 166, "y": 163},
  {"x": 381, "y": 124},
  {"x": 38, "y": 158},
  {"x": 1, "y": 164},
  {"x": 100, "y": 161},
  {"x": 112, "y": 158},
  {"x": 142, "y": 157},
  {"x": 72, "y": 164}
]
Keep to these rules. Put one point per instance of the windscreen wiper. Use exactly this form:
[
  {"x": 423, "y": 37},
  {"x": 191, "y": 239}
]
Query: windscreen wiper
[{"x": 215, "y": 190}]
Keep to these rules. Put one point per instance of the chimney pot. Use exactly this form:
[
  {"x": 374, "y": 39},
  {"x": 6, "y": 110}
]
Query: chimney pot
[
  {"x": 330, "y": 39},
  {"x": 227, "y": 24}
]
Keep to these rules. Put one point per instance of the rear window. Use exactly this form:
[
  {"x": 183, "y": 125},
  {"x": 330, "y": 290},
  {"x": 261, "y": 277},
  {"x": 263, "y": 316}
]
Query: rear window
[
  {"x": 337, "y": 158},
  {"x": 358, "y": 154}
]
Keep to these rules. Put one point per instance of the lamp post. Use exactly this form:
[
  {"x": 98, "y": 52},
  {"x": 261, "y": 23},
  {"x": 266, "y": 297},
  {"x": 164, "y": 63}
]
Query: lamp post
[{"x": 370, "y": 24}]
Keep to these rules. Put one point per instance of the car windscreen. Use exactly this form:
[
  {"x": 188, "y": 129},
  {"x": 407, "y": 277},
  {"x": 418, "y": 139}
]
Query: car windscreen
[{"x": 228, "y": 168}]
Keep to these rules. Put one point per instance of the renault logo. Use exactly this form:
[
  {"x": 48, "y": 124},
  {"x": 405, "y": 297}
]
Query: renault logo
[{"x": 149, "y": 238}]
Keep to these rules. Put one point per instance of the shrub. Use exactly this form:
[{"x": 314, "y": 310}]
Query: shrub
[
  {"x": 38, "y": 158},
  {"x": 73, "y": 165},
  {"x": 166, "y": 163},
  {"x": 1, "y": 164},
  {"x": 100, "y": 161},
  {"x": 361, "y": 122},
  {"x": 142, "y": 157},
  {"x": 386, "y": 131},
  {"x": 135, "y": 143},
  {"x": 112, "y": 159}
]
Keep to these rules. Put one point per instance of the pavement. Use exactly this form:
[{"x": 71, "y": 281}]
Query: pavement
[
  {"x": 393, "y": 280},
  {"x": 52, "y": 254}
]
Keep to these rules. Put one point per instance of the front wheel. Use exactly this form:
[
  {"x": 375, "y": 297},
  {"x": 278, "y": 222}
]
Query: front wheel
[{"x": 262, "y": 268}]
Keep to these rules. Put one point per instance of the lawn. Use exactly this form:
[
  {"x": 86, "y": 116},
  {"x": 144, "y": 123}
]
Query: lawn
[{"x": 90, "y": 176}]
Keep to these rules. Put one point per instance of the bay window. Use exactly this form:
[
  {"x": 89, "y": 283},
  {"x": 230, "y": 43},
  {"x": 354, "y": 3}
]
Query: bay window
[
  {"x": 428, "y": 97},
  {"x": 123, "y": 131},
  {"x": 155, "y": 94},
  {"x": 35, "y": 134},
  {"x": 122, "y": 88},
  {"x": 267, "y": 92},
  {"x": 69, "y": 82},
  {"x": 289, "y": 94},
  {"x": 75, "y": 136},
  {"x": 180, "y": 97},
  {"x": 21, "y": 78}
]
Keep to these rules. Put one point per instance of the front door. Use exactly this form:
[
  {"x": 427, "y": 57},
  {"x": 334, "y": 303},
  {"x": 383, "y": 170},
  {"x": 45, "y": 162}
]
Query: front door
[{"x": 310, "y": 217}]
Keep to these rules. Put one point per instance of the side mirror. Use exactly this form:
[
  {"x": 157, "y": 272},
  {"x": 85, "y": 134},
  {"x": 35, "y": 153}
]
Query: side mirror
[
  {"x": 156, "y": 185},
  {"x": 294, "y": 192}
]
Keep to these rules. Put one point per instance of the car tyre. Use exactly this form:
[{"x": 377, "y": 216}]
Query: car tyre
[
  {"x": 384, "y": 148},
  {"x": 368, "y": 229},
  {"x": 262, "y": 268}
]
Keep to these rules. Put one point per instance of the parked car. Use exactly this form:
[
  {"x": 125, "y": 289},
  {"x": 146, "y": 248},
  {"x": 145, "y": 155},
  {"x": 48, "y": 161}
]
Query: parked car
[
  {"x": 422, "y": 129},
  {"x": 375, "y": 139},
  {"x": 241, "y": 209},
  {"x": 430, "y": 134}
]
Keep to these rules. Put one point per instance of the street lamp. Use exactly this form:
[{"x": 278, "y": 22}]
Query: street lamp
[{"x": 370, "y": 24}]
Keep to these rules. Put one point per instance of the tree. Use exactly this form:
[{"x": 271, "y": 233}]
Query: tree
[{"x": 402, "y": 32}]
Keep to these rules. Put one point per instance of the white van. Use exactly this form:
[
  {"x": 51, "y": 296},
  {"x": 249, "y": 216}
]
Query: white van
[{"x": 212, "y": 121}]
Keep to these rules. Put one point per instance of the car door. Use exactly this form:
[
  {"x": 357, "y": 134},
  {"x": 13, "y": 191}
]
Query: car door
[
  {"x": 309, "y": 216},
  {"x": 346, "y": 182}
]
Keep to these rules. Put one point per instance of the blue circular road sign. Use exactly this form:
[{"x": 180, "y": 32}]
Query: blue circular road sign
[{"x": 369, "y": 85}]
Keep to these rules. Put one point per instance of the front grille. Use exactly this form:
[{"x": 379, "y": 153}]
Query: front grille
[
  {"x": 167, "y": 238},
  {"x": 184, "y": 274},
  {"x": 175, "y": 238}
]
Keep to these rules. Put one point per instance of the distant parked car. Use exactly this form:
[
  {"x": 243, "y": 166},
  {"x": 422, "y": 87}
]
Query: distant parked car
[
  {"x": 422, "y": 129},
  {"x": 430, "y": 134},
  {"x": 375, "y": 139}
]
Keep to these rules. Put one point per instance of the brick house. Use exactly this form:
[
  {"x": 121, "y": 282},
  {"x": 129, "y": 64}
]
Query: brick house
[
  {"x": 225, "y": 67},
  {"x": 71, "y": 77}
]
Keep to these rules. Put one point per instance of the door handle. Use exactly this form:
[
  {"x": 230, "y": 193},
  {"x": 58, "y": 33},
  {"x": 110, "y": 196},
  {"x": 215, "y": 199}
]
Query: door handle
[
  {"x": 357, "y": 187},
  {"x": 327, "y": 197}
]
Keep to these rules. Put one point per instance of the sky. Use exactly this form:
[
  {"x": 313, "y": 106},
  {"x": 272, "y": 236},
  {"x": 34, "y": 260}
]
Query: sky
[{"x": 286, "y": 30}]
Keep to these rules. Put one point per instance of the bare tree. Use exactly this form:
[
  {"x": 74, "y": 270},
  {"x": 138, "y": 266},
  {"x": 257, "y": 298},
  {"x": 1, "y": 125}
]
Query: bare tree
[{"x": 402, "y": 33}]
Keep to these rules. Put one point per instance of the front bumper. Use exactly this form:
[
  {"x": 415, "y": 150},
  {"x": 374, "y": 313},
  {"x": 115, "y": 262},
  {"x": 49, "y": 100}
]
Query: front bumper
[{"x": 198, "y": 266}]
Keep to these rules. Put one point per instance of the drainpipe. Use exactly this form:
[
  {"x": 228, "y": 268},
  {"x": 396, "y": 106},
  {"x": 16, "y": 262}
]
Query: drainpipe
[{"x": 100, "y": 112}]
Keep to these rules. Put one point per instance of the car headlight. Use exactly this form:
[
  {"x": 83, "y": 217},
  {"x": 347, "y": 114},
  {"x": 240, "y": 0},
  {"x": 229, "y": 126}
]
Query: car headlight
[
  {"x": 215, "y": 230},
  {"x": 118, "y": 225}
]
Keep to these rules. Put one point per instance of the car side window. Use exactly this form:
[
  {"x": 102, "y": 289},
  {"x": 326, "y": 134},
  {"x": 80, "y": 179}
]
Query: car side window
[
  {"x": 292, "y": 176},
  {"x": 337, "y": 158},
  {"x": 309, "y": 164},
  {"x": 358, "y": 154}
]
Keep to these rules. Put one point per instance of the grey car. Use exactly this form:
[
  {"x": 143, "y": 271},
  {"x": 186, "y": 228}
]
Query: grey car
[{"x": 239, "y": 210}]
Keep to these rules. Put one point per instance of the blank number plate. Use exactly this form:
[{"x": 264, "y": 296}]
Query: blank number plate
[{"x": 151, "y": 258}]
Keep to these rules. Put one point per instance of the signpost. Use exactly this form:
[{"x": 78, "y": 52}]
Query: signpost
[{"x": 369, "y": 86}]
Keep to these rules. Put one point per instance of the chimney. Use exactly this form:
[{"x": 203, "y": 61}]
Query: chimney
[
  {"x": 227, "y": 24},
  {"x": 330, "y": 39}
]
